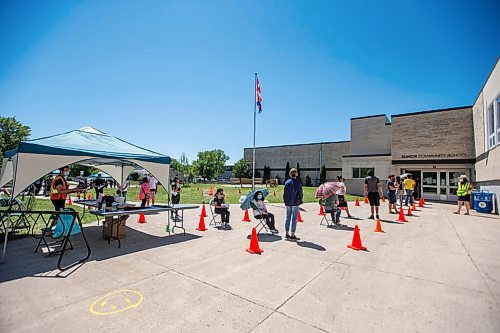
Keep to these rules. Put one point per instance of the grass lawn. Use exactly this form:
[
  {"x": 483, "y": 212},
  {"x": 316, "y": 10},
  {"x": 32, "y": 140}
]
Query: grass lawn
[{"x": 198, "y": 193}]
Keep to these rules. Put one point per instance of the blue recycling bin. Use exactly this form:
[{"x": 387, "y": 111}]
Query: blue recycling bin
[{"x": 483, "y": 202}]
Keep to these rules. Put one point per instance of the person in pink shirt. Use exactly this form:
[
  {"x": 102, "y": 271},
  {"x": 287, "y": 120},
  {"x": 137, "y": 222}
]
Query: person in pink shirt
[{"x": 144, "y": 192}]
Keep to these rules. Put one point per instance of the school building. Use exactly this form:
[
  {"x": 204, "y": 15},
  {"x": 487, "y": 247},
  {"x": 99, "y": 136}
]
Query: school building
[{"x": 436, "y": 146}]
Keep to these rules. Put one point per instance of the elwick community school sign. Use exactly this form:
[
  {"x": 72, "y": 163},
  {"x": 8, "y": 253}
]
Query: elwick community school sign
[{"x": 450, "y": 155}]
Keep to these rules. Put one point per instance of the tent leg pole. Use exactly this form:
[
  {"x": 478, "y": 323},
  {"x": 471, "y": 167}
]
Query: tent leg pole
[{"x": 5, "y": 240}]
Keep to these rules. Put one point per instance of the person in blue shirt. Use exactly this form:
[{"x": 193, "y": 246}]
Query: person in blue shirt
[{"x": 292, "y": 196}]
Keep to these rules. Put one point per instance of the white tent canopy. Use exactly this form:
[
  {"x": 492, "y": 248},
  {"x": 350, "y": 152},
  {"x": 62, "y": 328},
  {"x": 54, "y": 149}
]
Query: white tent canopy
[{"x": 34, "y": 159}]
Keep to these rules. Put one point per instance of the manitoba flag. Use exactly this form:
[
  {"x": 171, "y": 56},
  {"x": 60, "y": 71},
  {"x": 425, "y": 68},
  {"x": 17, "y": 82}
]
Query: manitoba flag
[{"x": 257, "y": 95}]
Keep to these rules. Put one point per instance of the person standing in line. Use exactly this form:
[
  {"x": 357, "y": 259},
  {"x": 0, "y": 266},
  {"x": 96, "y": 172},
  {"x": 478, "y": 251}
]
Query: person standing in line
[
  {"x": 391, "y": 194},
  {"x": 463, "y": 192},
  {"x": 373, "y": 191},
  {"x": 400, "y": 191},
  {"x": 153, "y": 182},
  {"x": 341, "y": 196},
  {"x": 144, "y": 192},
  {"x": 176, "y": 198},
  {"x": 292, "y": 196},
  {"x": 409, "y": 185}
]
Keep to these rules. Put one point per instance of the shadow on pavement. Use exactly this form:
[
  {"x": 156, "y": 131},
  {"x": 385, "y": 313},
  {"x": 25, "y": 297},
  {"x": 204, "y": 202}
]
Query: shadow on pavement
[
  {"x": 267, "y": 238},
  {"x": 311, "y": 245},
  {"x": 21, "y": 261},
  {"x": 341, "y": 227},
  {"x": 393, "y": 222}
]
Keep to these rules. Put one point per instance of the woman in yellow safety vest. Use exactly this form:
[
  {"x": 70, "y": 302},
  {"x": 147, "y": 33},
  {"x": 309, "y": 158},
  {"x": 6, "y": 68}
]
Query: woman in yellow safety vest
[{"x": 463, "y": 193}]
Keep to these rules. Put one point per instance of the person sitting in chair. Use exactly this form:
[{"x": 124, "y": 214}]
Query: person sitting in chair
[
  {"x": 221, "y": 207},
  {"x": 262, "y": 213},
  {"x": 331, "y": 206}
]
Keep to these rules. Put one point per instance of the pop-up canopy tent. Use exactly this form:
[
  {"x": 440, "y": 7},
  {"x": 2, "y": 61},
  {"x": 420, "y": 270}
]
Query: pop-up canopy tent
[{"x": 34, "y": 159}]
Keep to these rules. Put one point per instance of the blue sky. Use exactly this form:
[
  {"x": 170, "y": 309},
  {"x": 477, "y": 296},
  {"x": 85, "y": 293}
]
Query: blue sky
[{"x": 177, "y": 76}]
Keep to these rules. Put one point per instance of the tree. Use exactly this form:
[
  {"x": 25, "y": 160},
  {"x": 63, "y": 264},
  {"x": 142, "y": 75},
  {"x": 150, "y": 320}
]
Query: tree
[
  {"x": 174, "y": 164},
  {"x": 242, "y": 169},
  {"x": 308, "y": 181},
  {"x": 287, "y": 171},
  {"x": 11, "y": 133},
  {"x": 267, "y": 174},
  {"x": 322, "y": 175},
  {"x": 210, "y": 163},
  {"x": 298, "y": 173},
  {"x": 183, "y": 160}
]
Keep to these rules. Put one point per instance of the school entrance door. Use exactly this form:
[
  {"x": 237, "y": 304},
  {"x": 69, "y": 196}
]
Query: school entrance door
[{"x": 441, "y": 184}]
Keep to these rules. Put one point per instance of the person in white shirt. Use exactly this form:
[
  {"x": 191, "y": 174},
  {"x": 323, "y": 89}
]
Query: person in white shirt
[
  {"x": 153, "y": 182},
  {"x": 341, "y": 194},
  {"x": 122, "y": 190}
]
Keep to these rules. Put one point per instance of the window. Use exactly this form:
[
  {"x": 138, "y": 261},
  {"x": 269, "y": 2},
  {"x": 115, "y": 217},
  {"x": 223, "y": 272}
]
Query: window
[
  {"x": 491, "y": 126},
  {"x": 361, "y": 172},
  {"x": 493, "y": 123}
]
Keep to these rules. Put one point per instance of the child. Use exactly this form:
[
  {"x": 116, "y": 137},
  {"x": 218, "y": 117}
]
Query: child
[
  {"x": 331, "y": 206},
  {"x": 144, "y": 192}
]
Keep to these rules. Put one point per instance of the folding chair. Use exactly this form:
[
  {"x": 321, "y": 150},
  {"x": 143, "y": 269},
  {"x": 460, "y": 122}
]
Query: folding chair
[
  {"x": 261, "y": 221},
  {"x": 326, "y": 215},
  {"x": 214, "y": 221}
]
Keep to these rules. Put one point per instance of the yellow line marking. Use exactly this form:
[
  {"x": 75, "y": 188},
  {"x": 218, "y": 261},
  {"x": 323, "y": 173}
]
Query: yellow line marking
[{"x": 116, "y": 309}]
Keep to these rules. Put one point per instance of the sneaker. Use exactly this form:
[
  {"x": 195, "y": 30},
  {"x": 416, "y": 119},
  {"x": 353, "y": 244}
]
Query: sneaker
[
  {"x": 293, "y": 237},
  {"x": 287, "y": 236},
  {"x": 378, "y": 217},
  {"x": 227, "y": 226},
  {"x": 371, "y": 217},
  {"x": 274, "y": 231}
]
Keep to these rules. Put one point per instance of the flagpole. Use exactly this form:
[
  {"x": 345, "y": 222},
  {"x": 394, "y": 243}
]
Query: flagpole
[{"x": 254, "y": 124}]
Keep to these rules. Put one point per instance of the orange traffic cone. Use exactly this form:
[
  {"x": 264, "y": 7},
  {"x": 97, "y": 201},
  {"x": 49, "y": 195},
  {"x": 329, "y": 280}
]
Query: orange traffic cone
[
  {"x": 356, "y": 241},
  {"x": 211, "y": 191},
  {"x": 201, "y": 224},
  {"x": 203, "y": 211},
  {"x": 357, "y": 202},
  {"x": 383, "y": 199},
  {"x": 413, "y": 207},
  {"x": 246, "y": 218},
  {"x": 378, "y": 227},
  {"x": 254, "y": 244},
  {"x": 142, "y": 218},
  {"x": 401, "y": 217},
  {"x": 70, "y": 203},
  {"x": 421, "y": 202},
  {"x": 366, "y": 199},
  {"x": 299, "y": 218},
  {"x": 321, "y": 212},
  {"x": 88, "y": 196},
  {"x": 409, "y": 213}
]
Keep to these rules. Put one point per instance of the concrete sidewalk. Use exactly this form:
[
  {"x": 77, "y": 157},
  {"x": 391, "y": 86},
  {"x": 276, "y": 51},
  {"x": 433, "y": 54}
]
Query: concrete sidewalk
[{"x": 438, "y": 273}]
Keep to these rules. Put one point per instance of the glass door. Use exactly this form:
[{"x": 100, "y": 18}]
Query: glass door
[
  {"x": 443, "y": 185},
  {"x": 430, "y": 189}
]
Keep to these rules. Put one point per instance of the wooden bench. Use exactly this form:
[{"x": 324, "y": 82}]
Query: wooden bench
[
  {"x": 245, "y": 181},
  {"x": 272, "y": 182}
]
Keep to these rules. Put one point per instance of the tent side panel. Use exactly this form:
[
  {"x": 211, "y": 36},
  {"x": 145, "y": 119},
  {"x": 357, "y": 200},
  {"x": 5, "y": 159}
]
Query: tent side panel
[{"x": 31, "y": 167}]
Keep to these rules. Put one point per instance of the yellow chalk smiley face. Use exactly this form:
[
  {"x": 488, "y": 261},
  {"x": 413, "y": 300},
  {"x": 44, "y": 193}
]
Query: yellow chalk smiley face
[{"x": 116, "y": 301}]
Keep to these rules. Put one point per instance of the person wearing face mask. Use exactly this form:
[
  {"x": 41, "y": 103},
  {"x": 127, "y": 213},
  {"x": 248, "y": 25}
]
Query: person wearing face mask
[
  {"x": 463, "y": 192},
  {"x": 59, "y": 189},
  {"x": 258, "y": 200},
  {"x": 221, "y": 207}
]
